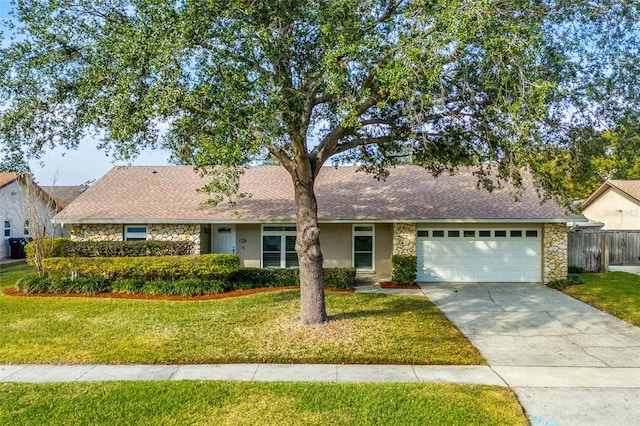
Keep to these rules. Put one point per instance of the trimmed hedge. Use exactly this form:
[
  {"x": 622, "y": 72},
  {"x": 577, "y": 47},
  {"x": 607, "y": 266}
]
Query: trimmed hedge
[
  {"x": 404, "y": 269},
  {"x": 187, "y": 276},
  {"x": 188, "y": 287},
  {"x": 127, "y": 248},
  {"x": 247, "y": 278},
  {"x": 49, "y": 247},
  {"x": 340, "y": 277},
  {"x": 153, "y": 268}
]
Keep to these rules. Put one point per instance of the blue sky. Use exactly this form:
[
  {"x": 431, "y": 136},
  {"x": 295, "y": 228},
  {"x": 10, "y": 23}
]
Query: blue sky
[{"x": 62, "y": 167}]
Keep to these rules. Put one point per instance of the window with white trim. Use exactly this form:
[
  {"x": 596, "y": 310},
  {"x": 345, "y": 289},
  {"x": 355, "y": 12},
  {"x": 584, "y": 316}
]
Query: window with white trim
[
  {"x": 135, "y": 233},
  {"x": 279, "y": 246},
  {"x": 27, "y": 228},
  {"x": 363, "y": 247},
  {"x": 7, "y": 228}
]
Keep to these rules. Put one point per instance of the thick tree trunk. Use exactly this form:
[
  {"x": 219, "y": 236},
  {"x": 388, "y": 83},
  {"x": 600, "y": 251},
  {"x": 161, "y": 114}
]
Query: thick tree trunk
[{"x": 312, "y": 305}]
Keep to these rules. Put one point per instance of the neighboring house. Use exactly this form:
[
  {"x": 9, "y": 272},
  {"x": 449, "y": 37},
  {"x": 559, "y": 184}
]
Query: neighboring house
[
  {"x": 458, "y": 231},
  {"x": 24, "y": 206},
  {"x": 615, "y": 205}
]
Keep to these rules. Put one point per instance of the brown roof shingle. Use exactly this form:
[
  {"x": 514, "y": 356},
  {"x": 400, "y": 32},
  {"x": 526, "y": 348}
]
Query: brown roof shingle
[
  {"x": 62, "y": 194},
  {"x": 136, "y": 194},
  {"x": 7, "y": 178}
]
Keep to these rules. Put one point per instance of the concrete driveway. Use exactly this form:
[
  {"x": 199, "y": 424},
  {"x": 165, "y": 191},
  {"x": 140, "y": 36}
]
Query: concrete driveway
[{"x": 569, "y": 364}]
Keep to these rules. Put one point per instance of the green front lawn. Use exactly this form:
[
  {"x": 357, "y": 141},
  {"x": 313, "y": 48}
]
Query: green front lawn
[
  {"x": 364, "y": 328},
  {"x": 243, "y": 403},
  {"x": 617, "y": 293}
]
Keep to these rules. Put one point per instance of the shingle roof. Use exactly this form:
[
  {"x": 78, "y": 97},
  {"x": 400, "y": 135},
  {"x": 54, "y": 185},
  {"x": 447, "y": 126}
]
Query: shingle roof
[
  {"x": 167, "y": 194},
  {"x": 629, "y": 187},
  {"x": 7, "y": 178},
  {"x": 64, "y": 194}
]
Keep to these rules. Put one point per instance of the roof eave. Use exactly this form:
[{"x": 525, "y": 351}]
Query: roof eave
[{"x": 140, "y": 221}]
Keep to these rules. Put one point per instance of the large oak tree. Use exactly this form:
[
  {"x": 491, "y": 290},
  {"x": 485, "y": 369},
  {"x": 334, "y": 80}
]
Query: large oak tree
[{"x": 224, "y": 83}]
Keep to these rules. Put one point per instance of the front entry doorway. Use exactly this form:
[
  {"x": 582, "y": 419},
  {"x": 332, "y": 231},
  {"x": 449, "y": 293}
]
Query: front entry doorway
[{"x": 224, "y": 238}]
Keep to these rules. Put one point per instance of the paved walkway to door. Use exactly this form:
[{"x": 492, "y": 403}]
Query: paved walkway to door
[{"x": 569, "y": 363}]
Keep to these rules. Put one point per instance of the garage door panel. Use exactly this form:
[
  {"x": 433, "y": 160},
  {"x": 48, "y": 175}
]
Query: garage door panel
[{"x": 514, "y": 258}]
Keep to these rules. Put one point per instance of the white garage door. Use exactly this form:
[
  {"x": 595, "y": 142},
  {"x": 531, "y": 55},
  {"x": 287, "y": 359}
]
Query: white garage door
[{"x": 479, "y": 255}]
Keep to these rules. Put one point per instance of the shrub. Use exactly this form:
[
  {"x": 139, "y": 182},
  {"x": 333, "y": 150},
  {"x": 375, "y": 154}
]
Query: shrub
[
  {"x": 574, "y": 279},
  {"x": 48, "y": 247},
  {"x": 127, "y": 248},
  {"x": 558, "y": 284},
  {"x": 87, "y": 285},
  {"x": 188, "y": 287},
  {"x": 33, "y": 284},
  {"x": 404, "y": 269},
  {"x": 571, "y": 279},
  {"x": 127, "y": 285},
  {"x": 573, "y": 269},
  {"x": 153, "y": 268},
  {"x": 340, "y": 277},
  {"x": 247, "y": 278}
]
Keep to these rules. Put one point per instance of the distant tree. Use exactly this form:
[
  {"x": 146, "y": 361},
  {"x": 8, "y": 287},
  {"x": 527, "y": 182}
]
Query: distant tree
[
  {"x": 487, "y": 83},
  {"x": 14, "y": 161},
  {"x": 593, "y": 157}
]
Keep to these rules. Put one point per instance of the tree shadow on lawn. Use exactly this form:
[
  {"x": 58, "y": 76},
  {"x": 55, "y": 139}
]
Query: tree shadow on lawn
[{"x": 390, "y": 308}]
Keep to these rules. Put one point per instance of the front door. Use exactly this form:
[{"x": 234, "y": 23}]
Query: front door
[{"x": 224, "y": 238}]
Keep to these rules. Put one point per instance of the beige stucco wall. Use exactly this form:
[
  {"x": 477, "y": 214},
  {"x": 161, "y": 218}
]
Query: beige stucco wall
[
  {"x": 615, "y": 209},
  {"x": 554, "y": 254},
  {"x": 335, "y": 240},
  {"x": 384, "y": 248},
  {"x": 249, "y": 251}
]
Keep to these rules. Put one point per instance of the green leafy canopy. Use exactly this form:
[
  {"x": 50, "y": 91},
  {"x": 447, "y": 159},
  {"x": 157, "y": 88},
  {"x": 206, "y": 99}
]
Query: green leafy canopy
[{"x": 224, "y": 83}]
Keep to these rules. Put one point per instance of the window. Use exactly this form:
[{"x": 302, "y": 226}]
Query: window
[
  {"x": 516, "y": 233},
  {"x": 135, "y": 233},
  {"x": 7, "y": 228},
  {"x": 363, "y": 244},
  {"x": 500, "y": 233},
  {"x": 279, "y": 247},
  {"x": 453, "y": 234},
  {"x": 438, "y": 234},
  {"x": 423, "y": 233},
  {"x": 469, "y": 234},
  {"x": 531, "y": 234},
  {"x": 27, "y": 228},
  {"x": 484, "y": 233}
]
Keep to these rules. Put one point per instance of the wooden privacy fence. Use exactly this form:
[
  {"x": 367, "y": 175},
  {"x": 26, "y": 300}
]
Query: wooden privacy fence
[{"x": 595, "y": 250}]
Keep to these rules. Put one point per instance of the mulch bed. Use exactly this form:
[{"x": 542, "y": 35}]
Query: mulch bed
[
  {"x": 390, "y": 284},
  {"x": 235, "y": 293}
]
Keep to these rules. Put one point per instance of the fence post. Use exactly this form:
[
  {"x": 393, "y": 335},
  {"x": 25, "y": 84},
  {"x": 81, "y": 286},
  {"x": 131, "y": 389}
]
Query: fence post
[{"x": 604, "y": 249}]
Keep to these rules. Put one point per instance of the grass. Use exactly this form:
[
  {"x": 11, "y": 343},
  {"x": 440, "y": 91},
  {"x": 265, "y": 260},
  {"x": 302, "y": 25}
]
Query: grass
[
  {"x": 243, "y": 403},
  {"x": 364, "y": 328},
  {"x": 617, "y": 293}
]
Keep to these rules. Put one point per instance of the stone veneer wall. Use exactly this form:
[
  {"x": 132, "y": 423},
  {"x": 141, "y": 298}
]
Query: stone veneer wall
[
  {"x": 160, "y": 232},
  {"x": 81, "y": 232},
  {"x": 554, "y": 253},
  {"x": 176, "y": 232},
  {"x": 404, "y": 239}
]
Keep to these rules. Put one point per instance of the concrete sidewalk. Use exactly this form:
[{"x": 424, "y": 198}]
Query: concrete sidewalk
[
  {"x": 337, "y": 373},
  {"x": 519, "y": 377}
]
